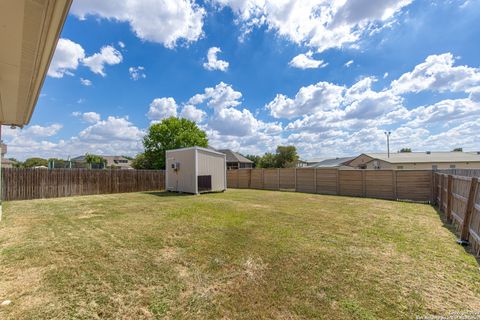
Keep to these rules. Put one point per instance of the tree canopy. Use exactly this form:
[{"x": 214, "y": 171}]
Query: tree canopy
[
  {"x": 405, "y": 150},
  {"x": 170, "y": 133},
  {"x": 35, "y": 162}
]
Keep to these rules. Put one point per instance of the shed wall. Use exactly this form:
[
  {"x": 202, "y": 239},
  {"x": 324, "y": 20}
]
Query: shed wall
[
  {"x": 214, "y": 165},
  {"x": 183, "y": 180}
]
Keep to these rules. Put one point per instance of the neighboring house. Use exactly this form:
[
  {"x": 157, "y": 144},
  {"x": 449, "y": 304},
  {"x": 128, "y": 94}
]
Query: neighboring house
[
  {"x": 417, "y": 160},
  {"x": 117, "y": 162},
  {"x": 7, "y": 163},
  {"x": 302, "y": 164},
  {"x": 236, "y": 160},
  {"x": 332, "y": 163}
]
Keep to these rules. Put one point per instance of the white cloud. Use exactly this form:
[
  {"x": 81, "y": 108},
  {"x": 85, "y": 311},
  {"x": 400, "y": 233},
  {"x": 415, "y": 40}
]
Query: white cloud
[
  {"x": 66, "y": 59},
  {"x": 233, "y": 122},
  {"x": 445, "y": 112},
  {"x": 220, "y": 97},
  {"x": 161, "y": 108},
  {"x": 159, "y": 21},
  {"x": 90, "y": 117},
  {"x": 137, "y": 73},
  {"x": 212, "y": 61},
  {"x": 192, "y": 113},
  {"x": 42, "y": 131},
  {"x": 437, "y": 73},
  {"x": 314, "y": 98},
  {"x": 85, "y": 82},
  {"x": 121, "y": 44},
  {"x": 348, "y": 63},
  {"x": 305, "y": 61},
  {"x": 112, "y": 128},
  {"x": 319, "y": 24},
  {"x": 108, "y": 55}
]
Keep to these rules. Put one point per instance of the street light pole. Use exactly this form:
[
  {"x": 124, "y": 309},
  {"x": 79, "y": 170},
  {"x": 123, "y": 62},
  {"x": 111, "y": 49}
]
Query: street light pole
[{"x": 388, "y": 133}]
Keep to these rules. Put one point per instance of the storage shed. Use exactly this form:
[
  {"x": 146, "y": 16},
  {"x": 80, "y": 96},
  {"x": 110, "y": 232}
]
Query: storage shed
[{"x": 195, "y": 170}]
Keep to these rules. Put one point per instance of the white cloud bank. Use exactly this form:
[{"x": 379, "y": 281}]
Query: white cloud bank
[{"x": 321, "y": 119}]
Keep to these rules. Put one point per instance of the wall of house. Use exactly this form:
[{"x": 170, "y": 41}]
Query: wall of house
[
  {"x": 183, "y": 180},
  {"x": 212, "y": 164},
  {"x": 423, "y": 165}
]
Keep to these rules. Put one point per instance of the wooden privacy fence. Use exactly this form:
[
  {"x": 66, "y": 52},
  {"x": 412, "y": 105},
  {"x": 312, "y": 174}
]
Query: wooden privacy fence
[
  {"x": 23, "y": 184},
  {"x": 459, "y": 198},
  {"x": 413, "y": 185}
]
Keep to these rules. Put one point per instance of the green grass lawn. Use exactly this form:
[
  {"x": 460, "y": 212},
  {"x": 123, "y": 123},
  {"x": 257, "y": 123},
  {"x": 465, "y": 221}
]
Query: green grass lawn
[{"x": 243, "y": 254}]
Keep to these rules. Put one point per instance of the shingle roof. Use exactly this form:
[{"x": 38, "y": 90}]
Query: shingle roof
[
  {"x": 232, "y": 156},
  {"x": 336, "y": 162},
  {"x": 418, "y": 157}
]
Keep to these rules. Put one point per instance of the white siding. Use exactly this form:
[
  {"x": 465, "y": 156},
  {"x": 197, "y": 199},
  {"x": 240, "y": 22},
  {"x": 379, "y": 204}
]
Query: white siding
[
  {"x": 212, "y": 164},
  {"x": 183, "y": 180}
]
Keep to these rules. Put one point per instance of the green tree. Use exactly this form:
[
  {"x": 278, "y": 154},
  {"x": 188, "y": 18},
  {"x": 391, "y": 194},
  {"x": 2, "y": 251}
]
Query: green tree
[
  {"x": 255, "y": 159},
  {"x": 95, "y": 161},
  {"x": 458, "y": 150},
  {"x": 140, "y": 162},
  {"x": 286, "y": 157},
  {"x": 57, "y": 163},
  {"x": 35, "y": 162},
  {"x": 171, "y": 133},
  {"x": 405, "y": 150},
  {"x": 268, "y": 160}
]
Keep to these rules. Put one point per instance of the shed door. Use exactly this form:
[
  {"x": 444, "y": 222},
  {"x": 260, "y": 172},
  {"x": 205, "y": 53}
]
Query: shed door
[{"x": 204, "y": 183}]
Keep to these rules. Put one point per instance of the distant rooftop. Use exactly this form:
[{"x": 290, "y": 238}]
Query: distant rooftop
[
  {"x": 418, "y": 157},
  {"x": 232, "y": 156},
  {"x": 329, "y": 163}
]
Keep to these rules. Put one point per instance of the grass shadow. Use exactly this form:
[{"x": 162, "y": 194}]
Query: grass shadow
[
  {"x": 167, "y": 194},
  {"x": 453, "y": 229}
]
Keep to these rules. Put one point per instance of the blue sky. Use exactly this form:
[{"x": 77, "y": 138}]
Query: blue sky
[{"x": 327, "y": 76}]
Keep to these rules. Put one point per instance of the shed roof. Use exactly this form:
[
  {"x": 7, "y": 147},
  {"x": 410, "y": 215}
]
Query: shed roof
[
  {"x": 233, "y": 156},
  {"x": 419, "y": 157}
]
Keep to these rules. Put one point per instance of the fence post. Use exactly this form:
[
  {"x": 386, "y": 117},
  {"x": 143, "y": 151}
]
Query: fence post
[
  {"x": 278, "y": 178},
  {"x": 263, "y": 179},
  {"x": 394, "y": 179},
  {"x": 295, "y": 179},
  {"x": 250, "y": 178},
  {"x": 442, "y": 182},
  {"x": 364, "y": 183},
  {"x": 468, "y": 212},
  {"x": 449, "y": 197},
  {"x": 338, "y": 182},
  {"x": 315, "y": 178},
  {"x": 238, "y": 177}
]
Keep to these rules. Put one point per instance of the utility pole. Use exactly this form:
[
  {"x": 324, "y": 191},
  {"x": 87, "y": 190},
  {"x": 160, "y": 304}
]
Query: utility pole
[{"x": 388, "y": 133}]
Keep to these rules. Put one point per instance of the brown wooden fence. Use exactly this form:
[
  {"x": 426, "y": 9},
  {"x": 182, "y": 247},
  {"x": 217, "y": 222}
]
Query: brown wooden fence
[
  {"x": 22, "y": 184},
  {"x": 413, "y": 185},
  {"x": 459, "y": 198}
]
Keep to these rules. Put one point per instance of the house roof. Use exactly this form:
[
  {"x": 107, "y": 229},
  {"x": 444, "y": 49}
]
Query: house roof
[
  {"x": 425, "y": 157},
  {"x": 232, "y": 156},
  {"x": 328, "y": 163},
  {"x": 29, "y": 33},
  {"x": 82, "y": 158}
]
